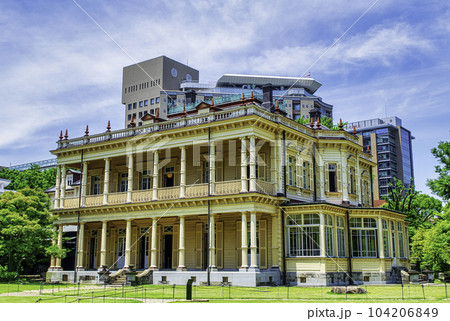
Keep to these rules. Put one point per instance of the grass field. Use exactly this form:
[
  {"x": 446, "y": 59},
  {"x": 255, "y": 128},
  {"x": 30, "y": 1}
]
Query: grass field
[{"x": 162, "y": 293}]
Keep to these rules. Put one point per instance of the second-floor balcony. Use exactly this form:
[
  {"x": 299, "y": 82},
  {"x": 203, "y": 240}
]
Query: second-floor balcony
[{"x": 166, "y": 194}]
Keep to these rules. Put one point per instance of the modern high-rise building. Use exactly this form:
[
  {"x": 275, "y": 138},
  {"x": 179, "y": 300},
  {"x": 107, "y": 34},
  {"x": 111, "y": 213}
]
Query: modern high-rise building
[
  {"x": 143, "y": 83},
  {"x": 164, "y": 85},
  {"x": 391, "y": 147}
]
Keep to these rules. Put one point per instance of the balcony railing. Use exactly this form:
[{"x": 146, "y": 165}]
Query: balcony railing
[
  {"x": 170, "y": 193},
  {"x": 198, "y": 120}
]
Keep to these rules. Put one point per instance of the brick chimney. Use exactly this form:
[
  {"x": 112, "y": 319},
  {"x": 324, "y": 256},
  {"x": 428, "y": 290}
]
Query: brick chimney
[{"x": 268, "y": 97}]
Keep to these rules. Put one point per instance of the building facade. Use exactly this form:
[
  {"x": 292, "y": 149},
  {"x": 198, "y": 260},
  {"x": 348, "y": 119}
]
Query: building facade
[
  {"x": 165, "y": 84},
  {"x": 226, "y": 191},
  {"x": 391, "y": 146}
]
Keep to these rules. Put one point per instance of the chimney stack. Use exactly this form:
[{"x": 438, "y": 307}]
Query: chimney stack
[
  {"x": 191, "y": 96},
  {"x": 268, "y": 97}
]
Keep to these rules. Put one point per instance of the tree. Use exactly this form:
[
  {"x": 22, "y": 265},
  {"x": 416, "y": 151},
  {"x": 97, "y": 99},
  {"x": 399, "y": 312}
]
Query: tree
[
  {"x": 26, "y": 229},
  {"x": 441, "y": 185},
  {"x": 432, "y": 246},
  {"x": 400, "y": 196},
  {"x": 34, "y": 177},
  {"x": 326, "y": 121}
]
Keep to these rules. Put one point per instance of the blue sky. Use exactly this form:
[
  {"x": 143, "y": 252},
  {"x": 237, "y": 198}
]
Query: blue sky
[{"x": 61, "y": 71}]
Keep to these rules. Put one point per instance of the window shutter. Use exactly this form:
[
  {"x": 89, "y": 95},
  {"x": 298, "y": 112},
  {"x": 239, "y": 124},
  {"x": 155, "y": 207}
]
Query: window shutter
[
  {"x": 262, "y": 166},
  {"x": 300, "y": 175},
  {"x": 88, "y": 185},
  {"x": 114, "y": 185},
  {"x": 263, "y": 244},
  {"x": 327, "y": 178},
  {"x": 112, "y": 257},
  {"x": 339, "y": 177},
  {"x": 175, "y": 243},
  {"x": 199, "y": 245},
  {"x": 133, "y": 254},
  {"x": 219, "y": 245},
  {"x": 219, "y": 171},
  {"x": 238, "y": 244},
  {"x": 311, "y": 176},
  {"x": 159, "y": 244}
]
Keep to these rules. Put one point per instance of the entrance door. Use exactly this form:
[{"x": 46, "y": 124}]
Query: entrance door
[
  {"x": 143, "y": 255},
  {"x": 167, "y": 251},
  {"x": 93, "y": 253},
  {"x": 121, "y": 252}
]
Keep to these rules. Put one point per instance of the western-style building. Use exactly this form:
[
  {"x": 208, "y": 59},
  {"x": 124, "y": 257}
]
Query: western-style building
[{"x": 225, "y": 190}]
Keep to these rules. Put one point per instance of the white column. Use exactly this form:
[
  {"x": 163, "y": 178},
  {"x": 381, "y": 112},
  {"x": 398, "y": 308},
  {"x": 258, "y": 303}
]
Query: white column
[
  {"x": 253, "y": 246},
  {"x": 128, "y": 245},
  {"x": 212, "y": 242},
  {"x": 155, "y": 175},
  {"x": 103, "y": 244},
  {"x": 244, "y": 185},
  {"x": 181, "y": 266},
  {"x": 322, "y": 245},
  {"x": 57, "y": 187},
  {"x": 106, "y": 182},
  {"x": 345, "y": 197},
  {"x": 252, "y": 164},
  {"x": 80, "y": 263},
  {"x": 84, "y": 183},
  {"x": 183, "y": 172},
  {"x": 63, "y": 187},
  {"x": 154, "y": 246},
  {"x": 212, "y": 167},
  {"x": 280, "y": 164},
  {"x": 52, "y": 258},
  {"x": 244, "y": 244},
  {"x": 130, "y": 177},
  {"x": 273, "y": 165},
  {"x": 380, "y": 238},
  {"x": 60, "y": 245}
]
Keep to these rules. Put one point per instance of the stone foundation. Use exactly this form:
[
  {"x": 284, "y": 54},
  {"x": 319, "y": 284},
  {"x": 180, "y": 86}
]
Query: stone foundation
[
  {"x": 339, "y": 278},
  {"x": 236, "y": 278}
]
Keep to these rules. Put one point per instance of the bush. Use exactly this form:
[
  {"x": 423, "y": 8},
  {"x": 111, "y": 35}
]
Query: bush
[{"x": 5, "y": 275}]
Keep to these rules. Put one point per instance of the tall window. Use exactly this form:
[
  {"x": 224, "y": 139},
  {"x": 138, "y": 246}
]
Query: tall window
[
  {"x": 329, "y": 247},
  {"x": 123, "y": 184},
  {"x": 306, "y": 175},
  {"x": 401, "y": 245},
  {"x": 364, "y": 237},
  {"x": 393, "y": 239},
  {"x": 96, "y": 185},
  {"x": 145, "y": 183},
  {"x": 340, "y": 236},
  {"x": 303, "y": 235},
  {"x": 291, "y": 171},
  {"x": 332, "y": 178},
  {"x": 352, "y": 181},
  {"x": 385, "y": 238}
]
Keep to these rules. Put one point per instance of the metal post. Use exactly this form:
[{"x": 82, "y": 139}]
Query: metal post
[{"x": 445, "y": 281}]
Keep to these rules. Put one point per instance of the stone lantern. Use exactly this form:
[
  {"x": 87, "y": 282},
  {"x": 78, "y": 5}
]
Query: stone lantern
[
  {"x": 429, "y": 273},
  {"x": 413, "y": 273}
]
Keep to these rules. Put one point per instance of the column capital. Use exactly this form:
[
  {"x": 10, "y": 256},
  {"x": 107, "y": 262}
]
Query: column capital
[
  {"x": 243, "y": 137},
  {"x": 182, "y": 147}
]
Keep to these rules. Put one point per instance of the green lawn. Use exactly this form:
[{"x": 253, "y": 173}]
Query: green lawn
[{"x": 376, "y": 293}]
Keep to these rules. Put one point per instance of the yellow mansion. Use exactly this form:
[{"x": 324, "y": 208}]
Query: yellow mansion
[{"x": 225, "y": 190}]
